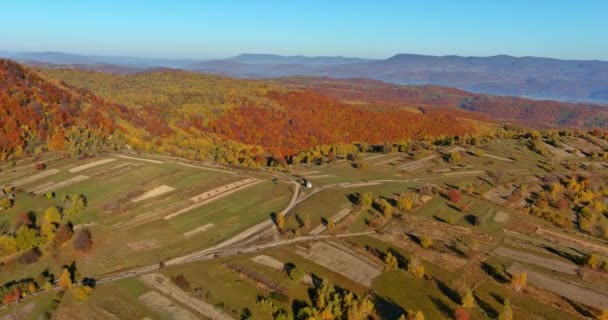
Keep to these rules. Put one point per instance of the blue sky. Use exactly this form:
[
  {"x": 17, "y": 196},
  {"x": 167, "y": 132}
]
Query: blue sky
[{"x": 375, "y": 29}]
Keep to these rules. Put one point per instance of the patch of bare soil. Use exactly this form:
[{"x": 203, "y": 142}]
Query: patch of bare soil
[
  {"x": 153, "y": 193},
  {"x": 569, "y": 290},
  {"x": 205, "y": 168},
  {"x": 143, "y": 245},
  {"x": 198, "y": 230},
  {"x": 269, "y": 262},
  {"x": 501, "y": 217},
  {"x": 140, "y": 159},
  {"x": 90, "y": 165},
  {"x": 161, "y": 283},
  {"x": 341, "y": 260}
]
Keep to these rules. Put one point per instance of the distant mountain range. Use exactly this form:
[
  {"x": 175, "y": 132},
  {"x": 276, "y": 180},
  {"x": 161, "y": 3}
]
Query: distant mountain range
[{"x": 540, "y": 78}]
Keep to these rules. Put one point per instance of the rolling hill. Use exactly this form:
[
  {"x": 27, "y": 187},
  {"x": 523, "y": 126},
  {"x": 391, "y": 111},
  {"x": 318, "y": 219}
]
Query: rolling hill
[
  {"x": 505, "y": 109},
  {"x": 191, "y": 115},
  {"x": 532, "y": 77}
]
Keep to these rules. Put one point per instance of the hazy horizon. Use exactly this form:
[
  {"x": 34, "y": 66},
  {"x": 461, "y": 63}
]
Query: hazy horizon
[{"x": 194, "y": 30}]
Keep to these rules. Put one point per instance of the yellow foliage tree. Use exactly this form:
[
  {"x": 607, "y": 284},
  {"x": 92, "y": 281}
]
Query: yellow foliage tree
[
  {"x": 467, "y": 300},
  {"x": 65, "y": 281},
  {"x": 280, "y": 221},
  {"x": 57, "y": 140},
  {"x": 82, "y": 292},
  {"x": 391, "y": 261},
  {"x": 519, "y": 281}
]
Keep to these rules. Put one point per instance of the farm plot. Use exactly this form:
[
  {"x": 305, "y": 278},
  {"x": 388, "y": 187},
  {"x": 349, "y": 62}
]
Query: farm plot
[
  {"x": 215, "y": 194},
  {"x": 562, "y": 153},
  {"x": 162, "y": 283},
  {"x": 204, "y": 167},
  {"x": 389, "y": 161},
  {"x": 569, "y": 290},
  {"x": 269, "y": 262},
  {"x": 90, "y": 165},
  {"x": 62, "y": 184},
  {"x": 571, "y": 242},
  {"x": 165, "y": 307},
  {"x": 491, "y": 156},
  {"x": 501, "y": 217},
  {"x": 233, "y": 213},
  {"x": 320, "y": 176},
  {"x": 32, "y": 178},
  {"x": 202, "y": 228},
  {"x": 417, "y": 164},
  {"x": 277, "y": 265},
  {"x": 394, "y": 234},
  {"x": 139, "y": 159},
  {"x": 342, "y": 261},
  {"x": 559, "y": 266},
  {"x": 336, "y": 217},
  {"x": 584, "y": 145}
]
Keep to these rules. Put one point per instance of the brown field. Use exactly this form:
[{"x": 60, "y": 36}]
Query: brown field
[{"x": 341, "y": 260}]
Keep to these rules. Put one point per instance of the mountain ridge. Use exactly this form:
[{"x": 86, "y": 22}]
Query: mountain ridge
[{"x": 530, "y": 77}]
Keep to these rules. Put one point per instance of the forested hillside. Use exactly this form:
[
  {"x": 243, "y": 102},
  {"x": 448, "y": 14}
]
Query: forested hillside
[
  {"x": 527, "y": 112},
  {"x": 36, "y": 115},
  {"x": 198, "y": 116},
  {"x": 309, "y": 119}
]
